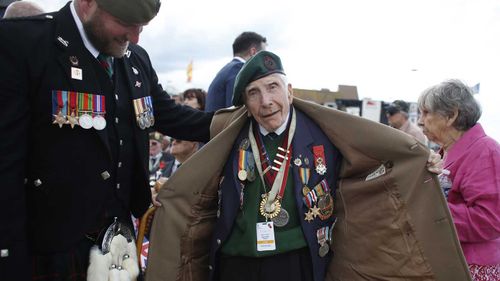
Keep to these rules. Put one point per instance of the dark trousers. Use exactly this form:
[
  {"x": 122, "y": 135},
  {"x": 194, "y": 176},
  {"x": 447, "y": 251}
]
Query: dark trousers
[{"x": 292, "y": 266}]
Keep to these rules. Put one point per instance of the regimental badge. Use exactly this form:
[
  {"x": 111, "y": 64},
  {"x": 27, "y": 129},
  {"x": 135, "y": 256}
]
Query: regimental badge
[
  {"x": 297, "y": 162},
  {"x": 269, "y": 63}
]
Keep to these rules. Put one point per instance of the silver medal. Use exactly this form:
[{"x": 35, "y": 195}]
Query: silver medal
[
  {"x": 85, "y": 121},
  {"x": 282, "y": 218},
  {"x": 98, "y": 122},
  {"x": 323, "y": 250}
]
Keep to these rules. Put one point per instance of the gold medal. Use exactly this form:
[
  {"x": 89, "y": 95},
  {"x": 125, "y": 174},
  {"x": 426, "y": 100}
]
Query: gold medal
[
  {"x": 269, "y": 211},
  {"x": 305, "y": 190}
]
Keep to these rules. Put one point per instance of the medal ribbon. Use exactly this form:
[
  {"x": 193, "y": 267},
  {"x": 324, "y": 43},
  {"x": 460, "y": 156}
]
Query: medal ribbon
[
  {"x": 64, "y": 96},
  {"x": 242, "y": 160},
  {"x": 304, "y": 174},
  {"x": 279, "y": 183},
  {"x": 97, "y": 104},
  {"x": 72, "y": 101},
  {"x": 60, "y": 102}
]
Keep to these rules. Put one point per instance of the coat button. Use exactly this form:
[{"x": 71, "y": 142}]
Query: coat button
[
  {"x": 219, "y": 242},
  {"x": 210, "y": 267},
  {"x": 105, "y": 175},
  {"x": 117, "y": 186},
  {"x": 4, "y": 253},
  {"x": 37, "y": 182}
]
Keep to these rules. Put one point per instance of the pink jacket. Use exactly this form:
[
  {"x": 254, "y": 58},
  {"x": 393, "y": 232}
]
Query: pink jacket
[{"x": 474, "y": 198}]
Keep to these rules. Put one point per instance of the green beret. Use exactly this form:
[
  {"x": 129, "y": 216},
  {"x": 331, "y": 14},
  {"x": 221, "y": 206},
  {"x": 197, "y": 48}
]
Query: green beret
[
  {"x": 131, "y": 11},
  {"x": 261, "y": 65}
]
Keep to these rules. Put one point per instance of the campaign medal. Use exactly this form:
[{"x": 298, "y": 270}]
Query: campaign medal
[
  {"x": 242, "y": 163},
  {"x": 72, "y": 118},
  {"x": 304, "y": 174},
  {"x": 325, "y": 201},
  {"x": 85, "y": 107},
  {"x": 322, "y": 235},
  {"x": 319, "y": 159},
  {"x": 245, "y": 144},
  {"x": 139, "y": 113},
  {"x": 309, "y": 216},
  {"x": 252, "y": 174},
  {"x": 59, "y": 108},
  {"x": 297, "y": 162},
  {"x": 282, "y": 218},
  {"x": 148, "y": 105},
  {"x": 98, "y": 121}
]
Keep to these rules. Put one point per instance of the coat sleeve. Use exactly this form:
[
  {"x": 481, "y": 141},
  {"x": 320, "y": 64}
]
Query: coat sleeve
[
  {"x": 14, "y": 123},
  {"x": 477, "y": 216}
]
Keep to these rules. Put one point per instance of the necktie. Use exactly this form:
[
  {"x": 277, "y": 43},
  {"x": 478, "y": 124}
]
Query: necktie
[
  {"x": 107, "y": 63},
  {"x": 272, "y": 136}
]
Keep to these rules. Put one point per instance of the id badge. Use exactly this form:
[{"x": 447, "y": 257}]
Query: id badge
[{"x": 265, "y": 236}]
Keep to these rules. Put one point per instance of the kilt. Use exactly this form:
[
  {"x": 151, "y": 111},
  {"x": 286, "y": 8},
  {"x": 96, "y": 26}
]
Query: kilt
[{"x": 63, "y": 266}]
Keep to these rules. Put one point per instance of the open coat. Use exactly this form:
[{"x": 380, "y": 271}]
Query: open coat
[{"x": 393, "y": 221}]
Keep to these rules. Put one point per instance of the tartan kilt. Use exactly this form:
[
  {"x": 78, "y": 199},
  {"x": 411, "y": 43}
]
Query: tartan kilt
[{"x": 63, "y": 266}]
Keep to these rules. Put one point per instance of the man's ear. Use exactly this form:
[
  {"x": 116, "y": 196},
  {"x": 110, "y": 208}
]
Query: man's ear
[{"x": 290, "y": 92}]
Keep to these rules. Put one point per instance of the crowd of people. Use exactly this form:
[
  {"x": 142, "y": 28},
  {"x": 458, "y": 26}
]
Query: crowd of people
[{"x": 273, "y": 188}]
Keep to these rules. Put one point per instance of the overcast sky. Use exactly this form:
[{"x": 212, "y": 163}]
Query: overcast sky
[{"x": 389, "y": 49}]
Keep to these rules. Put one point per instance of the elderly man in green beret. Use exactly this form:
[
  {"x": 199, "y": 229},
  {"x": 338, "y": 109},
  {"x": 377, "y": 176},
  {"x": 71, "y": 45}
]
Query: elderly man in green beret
[
  {"x": 297, "y": 191},
  {"x": 79, "y": 99}
]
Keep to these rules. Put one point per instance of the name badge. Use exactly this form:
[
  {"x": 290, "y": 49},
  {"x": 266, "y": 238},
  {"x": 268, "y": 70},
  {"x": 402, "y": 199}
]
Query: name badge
[
  {"x": 76, "y": 73},
  {"x": 265, "y": 236}
]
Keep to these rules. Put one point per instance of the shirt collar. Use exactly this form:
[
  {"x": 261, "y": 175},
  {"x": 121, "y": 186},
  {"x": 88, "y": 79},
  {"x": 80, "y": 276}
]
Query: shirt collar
[
  {"x": 278, "y": 131},
  {"x": 85, "y": 39},
  {"x": 240, "y": 59}
]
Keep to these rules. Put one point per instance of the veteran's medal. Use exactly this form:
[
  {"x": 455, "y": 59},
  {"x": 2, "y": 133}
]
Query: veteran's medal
[
  {"x": 323, "y": 250},
  {"x": 98, "y": 122},
  {"x": 85, "y": 121},
  {"x": 242, "y": 175},
  {"x": 282, "y": 218},
  {"x": 319, "y": 159},
  {"x": 271, "y": 210},
  {"x": 322, "y": 235}
]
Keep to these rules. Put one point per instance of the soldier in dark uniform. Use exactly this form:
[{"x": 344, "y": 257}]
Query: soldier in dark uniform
[{"x": 79, "y": 98}]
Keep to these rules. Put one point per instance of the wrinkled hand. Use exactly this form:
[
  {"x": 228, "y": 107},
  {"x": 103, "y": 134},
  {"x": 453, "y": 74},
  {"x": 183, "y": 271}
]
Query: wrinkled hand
[
  {"x": 434, "y": 163},
  {"x": 156, "y": 189}
]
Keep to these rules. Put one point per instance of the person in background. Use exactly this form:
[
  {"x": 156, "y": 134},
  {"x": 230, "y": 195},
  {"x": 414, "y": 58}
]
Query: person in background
[
  {"x": 220, "y": 91},
  {"x": 194, "y": 98},
  {"x": 22, "y": 9},
  {"x": 471, "y": 172},
  {"x": 159, "y": 161},
  {"x": 397, "y": 116},
  {"x": 79, "y": 99}
]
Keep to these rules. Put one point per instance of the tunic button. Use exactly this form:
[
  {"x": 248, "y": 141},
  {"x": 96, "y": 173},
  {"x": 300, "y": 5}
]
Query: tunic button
[
  {"x": 121, "y": 142},
  {"x": 218, "y": 241},
  {"x": 210, "y": 267},
  {"x": 37, "y": 182},
  {"x": 117, "y": 186},
  {"x": 119, "y": 164},
  {"x": 116, "y": 120},
  {"x": 116, "y": 96}
]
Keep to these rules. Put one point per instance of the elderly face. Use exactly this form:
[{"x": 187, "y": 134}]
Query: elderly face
[
  {"x": 108, "y": 34},
  {"x": 435, "y": 126},
  {"x": 268, "y": 100},
  {"x": 154, "y": 147},
  {"x": 182, "y": 148}
]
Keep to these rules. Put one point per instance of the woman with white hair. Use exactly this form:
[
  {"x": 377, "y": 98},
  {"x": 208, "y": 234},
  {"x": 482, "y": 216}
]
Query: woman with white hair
[{"x": 471, "y": 174}]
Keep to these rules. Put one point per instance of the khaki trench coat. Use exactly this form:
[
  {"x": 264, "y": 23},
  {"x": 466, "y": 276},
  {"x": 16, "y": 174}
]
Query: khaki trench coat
[{"x": 393, "y": 221}]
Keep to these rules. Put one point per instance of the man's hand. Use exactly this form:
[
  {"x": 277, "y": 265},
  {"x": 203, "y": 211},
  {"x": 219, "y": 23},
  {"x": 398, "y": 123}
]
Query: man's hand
[
  {"x": 156, "y": 189},
  {"x": 434, "y": 163}
]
